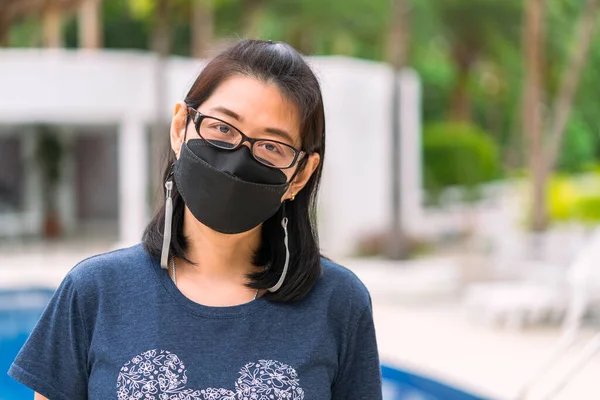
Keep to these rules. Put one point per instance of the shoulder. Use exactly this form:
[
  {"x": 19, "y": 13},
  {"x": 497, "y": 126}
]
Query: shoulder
[
  {"x": 114, "y": 268},
  {"x": 343, "y": 287}
]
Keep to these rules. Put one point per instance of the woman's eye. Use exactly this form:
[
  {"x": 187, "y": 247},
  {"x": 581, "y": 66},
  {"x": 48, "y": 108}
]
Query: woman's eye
[
  {"x": 271, "y": 147},
  {"x": 224, "y": 129}
]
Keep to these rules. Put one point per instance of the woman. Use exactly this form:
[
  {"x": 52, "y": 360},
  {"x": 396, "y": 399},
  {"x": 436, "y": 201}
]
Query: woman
[{"x": 228, "y": 296}]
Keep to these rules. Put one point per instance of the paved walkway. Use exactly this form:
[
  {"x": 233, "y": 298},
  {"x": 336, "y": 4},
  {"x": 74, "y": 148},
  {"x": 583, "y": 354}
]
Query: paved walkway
[
  {"x": 437, "y": 340},
  {"x": 422, "y": 327}
]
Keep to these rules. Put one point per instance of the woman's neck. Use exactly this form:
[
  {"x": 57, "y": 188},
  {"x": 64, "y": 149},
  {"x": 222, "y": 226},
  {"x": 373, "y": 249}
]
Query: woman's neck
[{"x": 217, "y": 256}]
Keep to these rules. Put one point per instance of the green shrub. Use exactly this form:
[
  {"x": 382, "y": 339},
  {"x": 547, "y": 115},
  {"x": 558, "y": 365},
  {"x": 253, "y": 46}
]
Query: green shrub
[
  {"x": 578, "y": 147},
  {"x": 562, "y": 197},
  {"x": 457, "y": 154},
  {"x": 574, "y": 198},
  {"x": 587, "y": 209}
]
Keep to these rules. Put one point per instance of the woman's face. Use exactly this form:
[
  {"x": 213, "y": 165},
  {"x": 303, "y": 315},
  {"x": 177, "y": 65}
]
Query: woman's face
[{"x": 259, "y": 111}]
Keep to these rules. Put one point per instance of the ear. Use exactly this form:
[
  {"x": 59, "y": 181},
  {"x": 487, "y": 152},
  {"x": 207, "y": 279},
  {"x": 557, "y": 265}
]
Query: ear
[
  {"x": 178, "y": 127},
  {"x": 303, "y": 176}
]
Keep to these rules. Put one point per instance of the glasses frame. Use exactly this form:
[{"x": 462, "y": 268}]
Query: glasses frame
[{"x": 197, "y": 118}]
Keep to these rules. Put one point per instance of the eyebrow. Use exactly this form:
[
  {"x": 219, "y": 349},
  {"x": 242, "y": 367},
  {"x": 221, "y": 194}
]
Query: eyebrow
[
  {"x": 281, "y": 134},
  {"x": 229, "y": 113},
  {"x": 274, "y": 131}
]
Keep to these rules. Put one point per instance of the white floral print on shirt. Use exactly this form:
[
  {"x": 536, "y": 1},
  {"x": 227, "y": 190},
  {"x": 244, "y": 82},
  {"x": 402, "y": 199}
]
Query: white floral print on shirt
[{"x": 161, "y": 375}]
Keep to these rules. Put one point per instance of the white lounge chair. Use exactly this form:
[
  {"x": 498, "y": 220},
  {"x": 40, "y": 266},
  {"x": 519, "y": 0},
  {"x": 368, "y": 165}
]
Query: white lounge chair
[{"x": 583, "y": 278}]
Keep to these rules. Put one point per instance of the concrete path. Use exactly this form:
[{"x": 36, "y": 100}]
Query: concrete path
[
  {"x": 439, "y": 341},
  {"x": 422, "y": 327}
]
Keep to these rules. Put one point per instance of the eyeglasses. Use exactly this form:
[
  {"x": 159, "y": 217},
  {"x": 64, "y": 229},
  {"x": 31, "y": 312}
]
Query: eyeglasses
[{"x": 223, "y": 135}]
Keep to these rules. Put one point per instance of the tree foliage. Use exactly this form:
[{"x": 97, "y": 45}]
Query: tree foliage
[{"x": 468, "y": 53}]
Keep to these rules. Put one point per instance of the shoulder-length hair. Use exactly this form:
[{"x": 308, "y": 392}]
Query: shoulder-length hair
[{"x": 281, "y": 65}]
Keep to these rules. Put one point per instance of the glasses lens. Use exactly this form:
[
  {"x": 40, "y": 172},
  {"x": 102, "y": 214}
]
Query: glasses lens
[
  {"x": 274, "y": 154},
  {"x": 219, "y": 133}
]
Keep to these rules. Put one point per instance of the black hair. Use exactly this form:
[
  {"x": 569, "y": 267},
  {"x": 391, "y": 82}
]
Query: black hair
[{"x": 279, "y": 64}]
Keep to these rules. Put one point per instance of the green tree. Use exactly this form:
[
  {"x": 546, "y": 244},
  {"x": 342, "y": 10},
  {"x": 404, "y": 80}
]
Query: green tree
[
  {"x": 545, "y": 149},
  {"x": 475, "y": 31},
  {"x": 355, "y": 28}
]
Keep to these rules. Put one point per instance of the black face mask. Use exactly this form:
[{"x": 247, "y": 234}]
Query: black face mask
[{"x": 228, "y": 191}]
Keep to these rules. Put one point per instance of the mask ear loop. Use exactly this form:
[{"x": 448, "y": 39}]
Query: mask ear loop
[
  {"x": 187, "y": 118},
  {"x": 284, "y": 223},
  {"x": 164, "y": 256}
]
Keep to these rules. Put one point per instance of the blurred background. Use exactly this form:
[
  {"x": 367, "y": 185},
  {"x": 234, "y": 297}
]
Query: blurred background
[{"x": 462, "y": 180}]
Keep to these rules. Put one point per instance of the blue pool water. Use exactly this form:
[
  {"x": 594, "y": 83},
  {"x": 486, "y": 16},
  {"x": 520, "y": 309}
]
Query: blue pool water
[{"x": 20, "y": 310}]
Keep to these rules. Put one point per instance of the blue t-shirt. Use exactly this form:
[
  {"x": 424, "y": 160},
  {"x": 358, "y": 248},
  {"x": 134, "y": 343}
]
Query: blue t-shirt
[{"x": 118, "y": 328}]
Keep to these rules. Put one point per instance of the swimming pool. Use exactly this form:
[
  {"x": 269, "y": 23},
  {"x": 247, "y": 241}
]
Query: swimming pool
[{"x": 20, "y": 310}]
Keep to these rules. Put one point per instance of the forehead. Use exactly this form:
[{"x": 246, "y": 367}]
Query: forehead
[{"x": 260, "y": 105}]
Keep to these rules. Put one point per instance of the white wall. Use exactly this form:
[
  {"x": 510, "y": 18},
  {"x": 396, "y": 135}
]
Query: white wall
[
  {"x": 117, "y": 87},
  {"x": 355, "y": 193}
]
